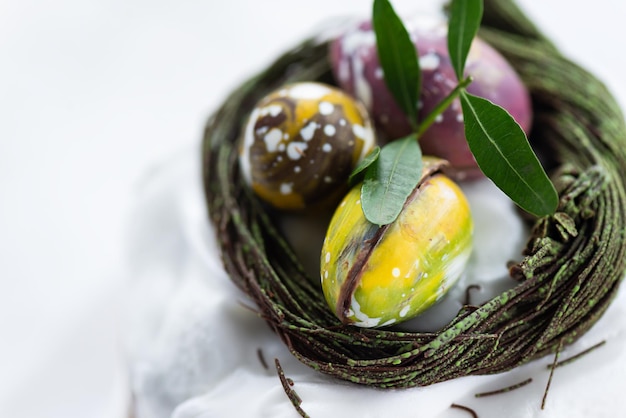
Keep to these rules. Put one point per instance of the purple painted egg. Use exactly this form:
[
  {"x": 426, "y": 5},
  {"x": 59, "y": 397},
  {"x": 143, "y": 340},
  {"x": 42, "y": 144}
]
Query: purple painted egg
[{"x": 357, "y": 70}]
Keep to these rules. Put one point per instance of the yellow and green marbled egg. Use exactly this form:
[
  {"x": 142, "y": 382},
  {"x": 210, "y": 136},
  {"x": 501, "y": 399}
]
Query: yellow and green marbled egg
[
  {"x": 301, "y": 142},
  {"x": 376, "y": 276}
]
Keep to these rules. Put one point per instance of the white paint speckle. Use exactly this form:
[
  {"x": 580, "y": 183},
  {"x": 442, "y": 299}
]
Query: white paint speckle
[
  {"x": 326, "y": 108},
  {"x": 330, "y": 130},
  {"x": 455, "y": 267},
  {"x": 353, "y": 44},
  {"x": 342, "y": 122},
  {"x": 432, "y": 24},
  {"x": 286, "y": 188},
  {"x": 328, "y": 179},
  {"x": 378, "y": 73},
  {"x": 361, "y": 85},
  {"x": 327, "y": 147},
  {"x": 395, "y": 272},
  {"x": 363, "y": 320},
  {"x": 430, "y": 62},
  {"x": 308, "y": 131},
  {"x": 295, "y": 150},
  {"x": 272, "y": 110},
  {"x": 327, "y": 257},
  {"x": 366, "y": 133},
  {"x": 404, "y": 311},
  {"x": 310, "y": 91},
  {"x": 439, "y": 118},
  {"x": 358, "y": 130},
  {"x": 272, "y": 139},
  {"x": 248, "y": 141},
  {"x": 297, "y": 169}
]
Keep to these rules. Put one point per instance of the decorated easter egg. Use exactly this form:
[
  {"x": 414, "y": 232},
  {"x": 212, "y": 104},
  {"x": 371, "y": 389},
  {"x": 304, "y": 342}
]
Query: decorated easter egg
[
  {"x": 375, "y": 276},
  {"x": 301, "y": 143},
  {"x": 357, "y": 70}
]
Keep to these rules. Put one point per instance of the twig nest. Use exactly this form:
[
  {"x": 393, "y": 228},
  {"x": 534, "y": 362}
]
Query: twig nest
[
  {"x": 375, "y": 276},
  {"x": 569, "y": 275},
  {"x": 301, "y": 143},
  {"x": 357, "y": 70}
]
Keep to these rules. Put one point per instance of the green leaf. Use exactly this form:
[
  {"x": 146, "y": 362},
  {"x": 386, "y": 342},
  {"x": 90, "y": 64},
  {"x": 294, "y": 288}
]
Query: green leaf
[
  {"x": 505, "y": 156},
  {"x": 398, "y": 59},
  {"x": 369, "y": 159},
  {"x": 465, "y": 17},
  {"x": 391, "y": 179}
]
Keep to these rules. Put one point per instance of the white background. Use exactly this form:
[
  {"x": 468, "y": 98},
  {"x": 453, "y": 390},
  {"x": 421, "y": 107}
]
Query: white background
[{"x": 93, "y": 93}]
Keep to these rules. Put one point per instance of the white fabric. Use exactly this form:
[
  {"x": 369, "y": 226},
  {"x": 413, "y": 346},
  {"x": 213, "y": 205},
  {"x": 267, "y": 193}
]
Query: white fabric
[{"x": 193, "y": 341}]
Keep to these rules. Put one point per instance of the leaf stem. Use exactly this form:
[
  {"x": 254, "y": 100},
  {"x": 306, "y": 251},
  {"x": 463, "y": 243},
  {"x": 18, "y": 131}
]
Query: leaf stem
[{"x": 442, "y": 106}]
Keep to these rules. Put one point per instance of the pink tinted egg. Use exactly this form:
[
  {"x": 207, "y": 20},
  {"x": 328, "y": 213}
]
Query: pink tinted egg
[{"x": 357, "y": 70}]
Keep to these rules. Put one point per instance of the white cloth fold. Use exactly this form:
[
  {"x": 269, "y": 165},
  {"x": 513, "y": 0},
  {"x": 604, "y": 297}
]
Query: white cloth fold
[{"x": 193, "y": 344}]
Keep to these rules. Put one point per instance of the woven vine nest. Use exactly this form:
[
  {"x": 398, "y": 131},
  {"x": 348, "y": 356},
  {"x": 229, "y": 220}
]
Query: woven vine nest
[{"x": 568, "y": 275}]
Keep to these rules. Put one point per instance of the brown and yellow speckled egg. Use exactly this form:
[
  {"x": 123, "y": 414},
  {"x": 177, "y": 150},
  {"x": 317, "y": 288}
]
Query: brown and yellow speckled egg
[{"x": 301, "y": 142}]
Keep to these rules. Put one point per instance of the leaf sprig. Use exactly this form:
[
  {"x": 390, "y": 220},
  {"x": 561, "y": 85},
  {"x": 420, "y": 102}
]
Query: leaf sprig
[
  {"x": 496, "y": 140},
  {"x": 393, "y": 177},
  {"x": 398, "y": 58}
]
